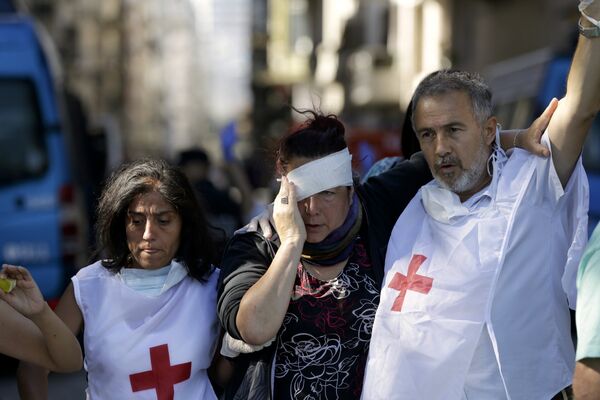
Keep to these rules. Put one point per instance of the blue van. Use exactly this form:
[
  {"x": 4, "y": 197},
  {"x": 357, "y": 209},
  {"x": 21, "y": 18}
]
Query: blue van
[{"x": 43, "y": 218}]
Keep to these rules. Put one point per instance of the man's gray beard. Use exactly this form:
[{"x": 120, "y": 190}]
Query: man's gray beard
[{"x": 470, "y": 177}]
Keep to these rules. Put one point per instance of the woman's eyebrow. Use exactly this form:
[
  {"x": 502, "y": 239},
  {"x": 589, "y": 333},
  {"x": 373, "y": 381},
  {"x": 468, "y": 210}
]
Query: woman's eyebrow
[{"x": 143, "y": 214}]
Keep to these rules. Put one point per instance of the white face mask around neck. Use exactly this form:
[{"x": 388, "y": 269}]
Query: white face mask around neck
[
  {"x": 153, "y": 283},
  {"x": 442, "y": 204}
]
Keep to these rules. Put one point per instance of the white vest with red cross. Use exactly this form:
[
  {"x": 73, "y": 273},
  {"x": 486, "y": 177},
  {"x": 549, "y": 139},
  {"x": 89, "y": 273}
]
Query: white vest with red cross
[
  {"x": 141, "y": 347},
  {"x": 508, "y": 265}
]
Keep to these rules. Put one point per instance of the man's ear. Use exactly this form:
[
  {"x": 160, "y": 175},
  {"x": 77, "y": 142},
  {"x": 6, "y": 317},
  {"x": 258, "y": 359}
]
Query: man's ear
[{"x": 489, "y": 130}]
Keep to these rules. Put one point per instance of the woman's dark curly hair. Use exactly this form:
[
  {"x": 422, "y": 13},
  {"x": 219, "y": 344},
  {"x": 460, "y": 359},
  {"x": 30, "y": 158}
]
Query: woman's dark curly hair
[
  {"x": 196, "y": 248},
  {"x": 318, "y": 136}
]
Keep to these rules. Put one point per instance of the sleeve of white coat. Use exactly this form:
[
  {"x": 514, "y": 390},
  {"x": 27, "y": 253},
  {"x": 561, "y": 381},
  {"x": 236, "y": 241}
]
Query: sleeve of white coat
[
  {"x": 577, "y": 199},
  {"x": 571, "y": 215}
]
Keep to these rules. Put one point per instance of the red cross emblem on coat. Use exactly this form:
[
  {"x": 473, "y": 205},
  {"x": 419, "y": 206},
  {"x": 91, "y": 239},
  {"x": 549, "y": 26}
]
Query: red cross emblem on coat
[
  {"x": 410, "y": 281},
  {"x": 163, "y": 376}
]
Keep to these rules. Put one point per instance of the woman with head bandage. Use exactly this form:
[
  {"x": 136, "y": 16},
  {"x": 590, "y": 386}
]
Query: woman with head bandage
[{"x": 306, "y": 298}]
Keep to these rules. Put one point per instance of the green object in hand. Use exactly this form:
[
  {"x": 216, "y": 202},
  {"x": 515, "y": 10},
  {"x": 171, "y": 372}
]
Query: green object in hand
[{"x": 7, "y": 284}]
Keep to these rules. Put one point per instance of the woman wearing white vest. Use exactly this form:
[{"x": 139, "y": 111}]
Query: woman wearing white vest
[{"x": 148, "y": 310}]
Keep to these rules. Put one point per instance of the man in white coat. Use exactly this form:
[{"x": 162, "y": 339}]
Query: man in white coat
[{"x": 481, "y": 266}]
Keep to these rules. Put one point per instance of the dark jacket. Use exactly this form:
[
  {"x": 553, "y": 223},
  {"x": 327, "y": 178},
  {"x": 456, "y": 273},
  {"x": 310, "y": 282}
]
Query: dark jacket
[{"x": 247, "y": 257}]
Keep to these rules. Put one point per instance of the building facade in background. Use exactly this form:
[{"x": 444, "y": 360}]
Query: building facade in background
[
  {"x": 167, "y": 75},
  {"x": 163, "y": 75}
]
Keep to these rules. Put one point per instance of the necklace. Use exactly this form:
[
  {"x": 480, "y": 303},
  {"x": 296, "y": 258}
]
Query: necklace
[{"x": 321, "y": 273}]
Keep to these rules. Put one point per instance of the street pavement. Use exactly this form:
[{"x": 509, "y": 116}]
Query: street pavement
[{"x": 60, "y": 386}]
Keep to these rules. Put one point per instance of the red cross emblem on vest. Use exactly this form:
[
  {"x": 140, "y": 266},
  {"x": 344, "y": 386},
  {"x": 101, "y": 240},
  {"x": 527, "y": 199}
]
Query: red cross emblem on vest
[
  {"x": 411, "y": 281},
  {"x": 163, "y": 376}
]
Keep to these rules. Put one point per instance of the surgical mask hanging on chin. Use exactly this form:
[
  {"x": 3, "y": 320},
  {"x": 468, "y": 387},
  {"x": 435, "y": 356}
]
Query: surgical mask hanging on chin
[{"x": 442, "y": 204}]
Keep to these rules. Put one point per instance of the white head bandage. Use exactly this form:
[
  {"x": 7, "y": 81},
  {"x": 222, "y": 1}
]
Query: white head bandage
[{"x": 321, "y": 174}]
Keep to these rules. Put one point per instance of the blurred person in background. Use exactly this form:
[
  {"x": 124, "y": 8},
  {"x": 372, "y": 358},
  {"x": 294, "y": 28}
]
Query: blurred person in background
[
  {"x": 409, "y": 146},
  {"x": 148, "y": 310},
  {"x": 29, "y": 329},
  {"x": 298, "y": 304},
  {"x": 222, "y": 210}
]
